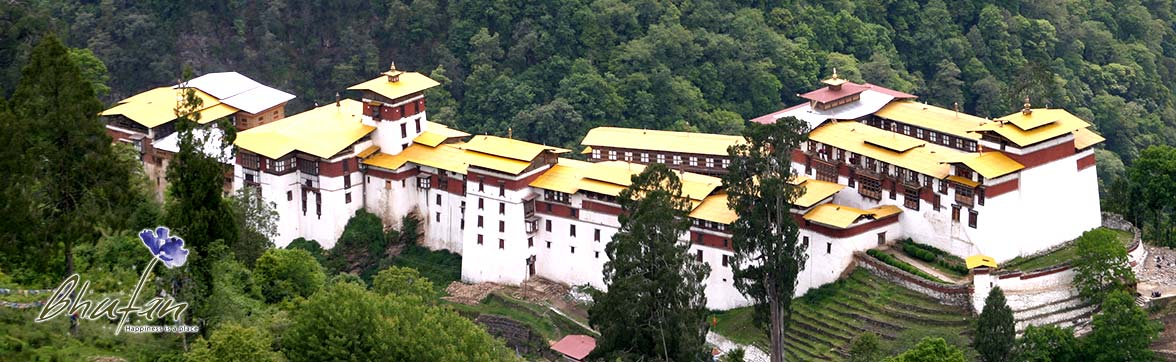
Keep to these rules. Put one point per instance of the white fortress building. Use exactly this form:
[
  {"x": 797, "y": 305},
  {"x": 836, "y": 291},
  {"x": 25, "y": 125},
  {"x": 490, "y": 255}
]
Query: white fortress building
[{"x": 877, "y": 167}]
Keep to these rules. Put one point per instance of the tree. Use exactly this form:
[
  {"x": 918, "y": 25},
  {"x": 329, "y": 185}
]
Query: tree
[
  {"x": 284, "y": 274},
  {"x": 1152, "y": 187},
  {"x": 93, "y": 70},
  {"x": 1101, "y": 265},
  {"x": 1122, "y": 331},
  {"x": 346, "y": 322},
  {"x": 865, "y": 348},
  {"x": 655, "y": 306},
  {"x": 995, "y": 329},
  {"x": 405, "y": 282},
  {"x": 234, "y": 342},
  {"x": 930, "y": 349},
  {"x": 1048, "y": 344},
  {"x": 79, "y": 179},
  {"x": 768, "y": 253},
  {"x": 258, "y": 222}
]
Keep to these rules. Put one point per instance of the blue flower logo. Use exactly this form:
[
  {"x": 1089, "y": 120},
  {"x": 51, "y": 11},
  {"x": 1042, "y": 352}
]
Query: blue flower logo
[{"x": 168, "y": 249}]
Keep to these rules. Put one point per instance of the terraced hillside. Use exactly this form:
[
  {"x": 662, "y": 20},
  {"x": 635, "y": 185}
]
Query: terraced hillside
[{"x": 826, "y": 319}]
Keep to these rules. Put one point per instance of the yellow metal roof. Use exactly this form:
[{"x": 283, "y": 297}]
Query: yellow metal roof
[
  {"x": 410, "y": 82},
  {"x": 993, "y": 164},
  {"x": 1084, "y": 138},
  {"x": 368, "y": 152},
  {"x": 842, "y": 217},
  {"x": 445, "y": 157},
  {"x": 430, "y": 139},
  {"x": 852, "y": 136},
  {"x": 944, "y": 120},
  {"x": 980, "y": 260},
  {"x": 814, "y": 191},
  {"x": 893, "y": 142},
  {"x": 714, "y": 208},
  {"x": 157, "y": 106},
  {"x": 436, "y": 133},
  {"x": 509, "y": 148},
  {"x": 668, "y": 141},
  {"x": 323, "y": 132},
  {"x": 1042, "y": 124},
  {"x": 610, "y": 178},
  {"x": 587, "y": 150},
  {"x": 963, "y": 181}
]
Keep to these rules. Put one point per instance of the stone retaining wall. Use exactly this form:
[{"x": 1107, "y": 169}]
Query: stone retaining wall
[{"x": 956, "y": 295}]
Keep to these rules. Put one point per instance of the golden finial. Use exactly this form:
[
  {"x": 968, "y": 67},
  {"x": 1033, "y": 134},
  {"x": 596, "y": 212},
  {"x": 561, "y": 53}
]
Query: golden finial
[{"x": 1028, "y": 108}]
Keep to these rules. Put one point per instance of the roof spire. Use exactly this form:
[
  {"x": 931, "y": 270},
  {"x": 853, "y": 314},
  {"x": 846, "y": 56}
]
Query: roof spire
[
  {"x": 393, "y": 74},
  {"x": 336, "y": 99},
  {"x": 1027, "y": 110},
  {"x": 835, "y": 73}
]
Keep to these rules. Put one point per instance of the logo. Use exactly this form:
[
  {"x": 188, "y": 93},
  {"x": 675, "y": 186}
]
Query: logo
[{"x": 70, "y": 299}]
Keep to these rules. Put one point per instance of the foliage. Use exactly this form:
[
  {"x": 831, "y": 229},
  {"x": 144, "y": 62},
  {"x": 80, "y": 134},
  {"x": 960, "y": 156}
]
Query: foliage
[
  {"x": 930, "y": 349},
  {"x": 655, "y": 305},
  {"x": 258, "y": 221},
  {"x": 1122, "y": 331},
  {"x": 904, "y": 266},
  {"x": 234, "y": 342},
  {"x": 768, "y": 253},
  {"x": 995, "y": 329},
  {"x": 311, "y": 247},
  {"x": 236, "y": 293},
  {"x": 442, "y": 267},
  {"x": 865, "y": 347},
  {"x": 347, "y": 322},
  {"x": 1101, "y": 265},
  {"x": 734, "y": 355},
  {"x": 1147, "y": 196},
  {"x": 404, "y": 282},
  {"x": 284, "y": 274},
  {"x": 1048, "y": 344},
  {"x": 920, "y": 253},
  {"x": 362, "y": 242}
]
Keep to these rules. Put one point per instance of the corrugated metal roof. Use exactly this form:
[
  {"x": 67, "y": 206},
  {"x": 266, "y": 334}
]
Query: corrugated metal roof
[
  {"x": 323, "y": 132},
  {"x": 410, "y": 82},
  {"x": 157, "y": 106},
  {"x": 1084, "y": 138},
  {"x": 1048, "y": 123},
  {"x": 963, "y": 181},
  {"x": 814, "y": 191},
  {"x": 714, "y": 208},
  {"x": 239, "y": 91},
  {"x": 446, "y": 157},
  {"x": 668, "y": 141},
  {"x": 509, "y": 148},
  {"x": 842, "y": 217},
  {"x": 993, "y": 164},
  {"x": 851, "y": 136},
  {"x": 944, "y": 120}
]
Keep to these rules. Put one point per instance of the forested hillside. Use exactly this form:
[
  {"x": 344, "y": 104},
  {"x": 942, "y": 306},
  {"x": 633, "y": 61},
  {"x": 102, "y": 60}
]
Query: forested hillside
[{"x": 551, "y": 69}]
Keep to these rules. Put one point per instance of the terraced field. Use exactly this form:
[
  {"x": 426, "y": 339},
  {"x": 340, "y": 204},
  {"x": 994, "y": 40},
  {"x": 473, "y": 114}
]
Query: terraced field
[{"x": 825, "y": 320}]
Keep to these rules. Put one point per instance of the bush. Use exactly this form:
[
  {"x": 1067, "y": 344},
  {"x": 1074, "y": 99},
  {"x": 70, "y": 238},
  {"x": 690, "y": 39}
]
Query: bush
[
  {"x": 890, "y": 259},
  {"x": 283, "y": 274},
  {"x": 919, "y": 253}
]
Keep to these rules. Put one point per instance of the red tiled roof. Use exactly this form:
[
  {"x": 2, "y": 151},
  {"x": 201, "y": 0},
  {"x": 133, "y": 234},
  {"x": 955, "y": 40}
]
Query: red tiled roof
[
  {"x": 890, "y": 92},
  {"x": 771, "y": 117},
  {"x": 576, "y": 346},
  {"x": 827, "y": 94}
]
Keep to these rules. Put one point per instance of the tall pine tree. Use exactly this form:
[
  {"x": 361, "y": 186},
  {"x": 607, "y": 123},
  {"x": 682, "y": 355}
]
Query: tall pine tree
[
  {"x": 768, "y": 253},
  {"x": 995, "y": 331},
  {"x": 654, "y": 306}
]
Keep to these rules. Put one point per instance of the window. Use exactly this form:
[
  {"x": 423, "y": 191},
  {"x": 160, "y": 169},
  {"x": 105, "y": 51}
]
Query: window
[
  {"x": 501, "y": 226},
  {"x": 403, "y": 130},
  {"x": 726, "y": 242},
  {"x": 906, "y": 130},
  {"x": 346, "y": 180},
  {"x": 852, "y": 179},
  {"x": 572, "y": 230},
  {"x": 596, "y": 235},
  {"x": 304, "y": 202},
  {"x": 347, "y": 198},
  {"x": 980, "y": 196},
  {"x": 289, "y": 195},
  {"x": 932, "y": 136},
  {"x": 501, "y": 188},
  {"x": 972, "y": 215},
  {"x": 250, "y": 161},
  {"x": 438, "y": 197},
  {"x": 501, "y": 208},
  {"x": 911, "y": 201},
  {"x": 481, "y": 203},
  {"x": 573, "y": 249},
  {"x": 561, "y": 197},
  {"x": 955, "y": 213},
  {"x": 549, "y": 244},
  {"x": 479, "y": 239},
  {"x": 825, "y": 171},
  {"x": 628, "y": 156},
  {"x": 309, "y": 167},
  {"x": 710, "y": 163},
  {"x": 575, "y": 213},
  {"x": 501, "y": 244},
  {"x": 612, "y": 155},
  {"x": 547, "y": 225},
  {"x": 417, "y": 126},
  {"x": 893, "y": 190},
  {"x": 481, "y": 184},
  {"x": 919, "y": 133},
  {"x": 661, "y": 158},
  {"x": 698, "y": 256},
  {"x": 530, "y": 242},
  {"x": 693, "y": 161},
  {"x": 530, "y": 225},
  {"x": 725, "y": 259},
  {"x": 596, "y": 154},
  {"x": 318, "y": 204},
  {"x": 943, "y": 187},
  {"x": 677, "y": 159},
  {"x": 463, "y": 223},
  {"x": 424, "y": 182},
  {"x": 644, "y": 157},
  {"x": 804, "y": 239},
  {"x": 726, "y": 162},
  {"x": 870, "y": 187},
  {"x": 597, "y": 255},
  {"x": 438, "y": 218},
  {"x": 479, "y": 220},
  {"x": 828, "y": 248},
  {"x": 935, "y": 204},
  {"x": 387, "y": 184}
]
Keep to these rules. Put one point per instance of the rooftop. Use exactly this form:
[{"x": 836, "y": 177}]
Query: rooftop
[
  {"x": 852, "y": 136},
  {"x": 212, "y": 147},
  {"x": 239, "y": 91},
  {"x": 409, "y": 83},
  {"x": 158, "y": 106},
  {"x": 1041, "y": 124},
  {"x": 843, "y": 217},
  {"x": 509, "y": 148},
  {"x": 323, "y": 132},
  {"x": 668, "y": 141},
  {"x": 944, "y": 120},
  {"x": 575, "y": 346},
  {"x": 828, "y": 94},
  {"x": 814, "y": 191}
]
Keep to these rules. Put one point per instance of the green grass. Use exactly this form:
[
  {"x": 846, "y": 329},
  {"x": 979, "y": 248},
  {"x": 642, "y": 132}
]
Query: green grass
[
  {"x": 550, "y": 325},
  {"x": 828, "y": 314},
  {"x": 1065, "y": 254},
  {"x": 907, "y": 267},
  {"x": 943, "y": 262}
]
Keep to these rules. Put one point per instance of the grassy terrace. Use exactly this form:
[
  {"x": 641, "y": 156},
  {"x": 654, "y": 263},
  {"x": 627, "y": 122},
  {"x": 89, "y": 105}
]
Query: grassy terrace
[
  {"x": 1067, "y": 253},
  {"x": 826, "y": 319}
]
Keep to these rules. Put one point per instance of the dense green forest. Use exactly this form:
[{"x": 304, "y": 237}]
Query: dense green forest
[{"x": 550, "y": 70}]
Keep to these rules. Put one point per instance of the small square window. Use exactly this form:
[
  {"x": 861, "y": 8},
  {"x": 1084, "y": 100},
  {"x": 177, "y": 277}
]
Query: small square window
[
  {"x": 573, "y": 249},
  {"x": 549, "y": 244},
  {"x": 598, "y": 255},
  {"x": 501, "y": 208},
  {"x": 501, "y": 226},
  {"x": 479, "y": 220},
  {"x": 479, "y": 239},
  {"x": 438, "y": 216},
  {"x": 438, "y": 199},
  {"x": 347, "y": 198},
  {"x": 501, "y": 244},
  {"x": 289, "y": 195},
  {"x": 572, "y": 230}
]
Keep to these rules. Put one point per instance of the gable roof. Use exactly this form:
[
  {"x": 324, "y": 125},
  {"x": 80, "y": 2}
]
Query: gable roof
[
  {"x": 158, "y": 106},
  {"x": 323, "y": 132},
  {"x": 409, "y": 83},
  {"x": 509, "y": 148},
  {"x": 1039, "y": 125},
  {"x": 668, "y": 141}
]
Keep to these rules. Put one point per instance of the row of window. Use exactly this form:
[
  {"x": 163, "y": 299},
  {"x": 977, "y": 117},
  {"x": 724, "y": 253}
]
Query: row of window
[
  {"x": 928, "y": 135},
  {"x": 693, "y": 161}
]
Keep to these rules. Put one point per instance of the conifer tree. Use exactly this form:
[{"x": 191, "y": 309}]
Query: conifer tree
[
  {"x": 655, "y": 306},
  {"x": 995, "y": 331},
  {"x": 768, "y": 253}
]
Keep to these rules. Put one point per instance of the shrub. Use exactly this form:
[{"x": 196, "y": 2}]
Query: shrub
[
  {"x": 283, "y": 274},
  {"x": 919, "y": 253},
  {"x": 890, "y": 259}
]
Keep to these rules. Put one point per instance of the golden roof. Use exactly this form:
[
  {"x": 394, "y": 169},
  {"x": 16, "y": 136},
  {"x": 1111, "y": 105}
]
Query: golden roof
[
  {"x": 714, "y": 208},
  {"x": 667, "y": 141},
  {"x": 410, "y": 82},
  {"x": 610, "y": 178},
  {"x": 944, "y": 120},
  {"x": 892, "y": 142},
  {"x": 436, "y": 133},
  {"x": 842, "y": 217},
  {"x": 323, "y": 132},
  {"x": 963, "y": 181},
  {"x": 368, "y": 152},
  {"x": 446, "y": 157},
  {"x": 1084, "y": 138},
  {"x": 509, "y": 148},
  {"x": 979, "y": 260},
  {"x": 1039, "y": 125},
  {"x": 993, "y": 164},
  {"x": 157, "y": 106},
  {"x": 926, "y": 159},
  {"x": 814, "y": 190},
  {"x": 564, "y": 177}
]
